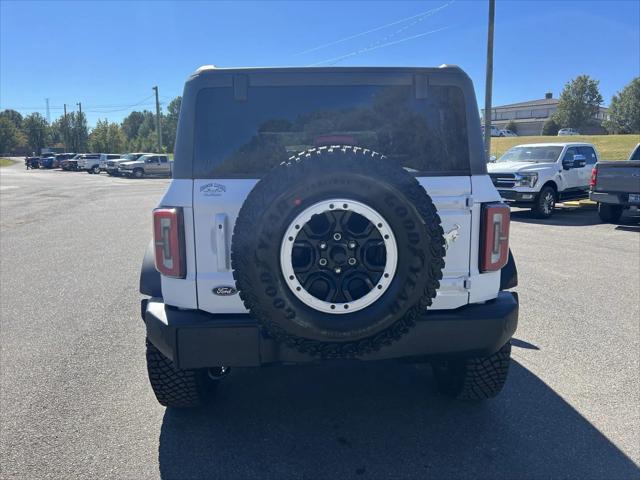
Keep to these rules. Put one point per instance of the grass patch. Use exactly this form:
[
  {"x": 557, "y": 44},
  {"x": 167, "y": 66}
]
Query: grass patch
[
  {"x": 5, "y": 162},
  {"x": 610, "y": 147}
]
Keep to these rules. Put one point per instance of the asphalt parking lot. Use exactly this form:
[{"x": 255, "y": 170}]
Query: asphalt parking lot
[{"x": 75, "y": 401}]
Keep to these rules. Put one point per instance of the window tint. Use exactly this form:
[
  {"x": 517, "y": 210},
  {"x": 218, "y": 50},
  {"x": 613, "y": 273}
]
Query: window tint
[
  {"x": 248, "y": 138},
  {"x": 163, "y": 159},
  {"x": 589, "y": 154},
  {"x": 636, "y": 154},
  {"x": 568, "y": 156}
]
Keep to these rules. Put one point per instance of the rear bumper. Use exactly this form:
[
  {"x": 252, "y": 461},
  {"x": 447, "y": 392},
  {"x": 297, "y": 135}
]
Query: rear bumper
[
  {"x": 196, "y": 339},
  {"x": 612, "y": 198}
]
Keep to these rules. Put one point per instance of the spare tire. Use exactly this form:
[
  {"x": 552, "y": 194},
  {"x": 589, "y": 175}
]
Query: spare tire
[{"x": 336, "y": 252}]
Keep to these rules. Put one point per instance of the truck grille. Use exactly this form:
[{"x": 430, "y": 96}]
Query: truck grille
[{"x": 503, "y": 180}]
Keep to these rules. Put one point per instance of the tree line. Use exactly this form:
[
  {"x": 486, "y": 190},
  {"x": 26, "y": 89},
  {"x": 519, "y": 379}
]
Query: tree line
[
  {"x": 137, "y": 132},
  {"x": 580, "y": 101}
]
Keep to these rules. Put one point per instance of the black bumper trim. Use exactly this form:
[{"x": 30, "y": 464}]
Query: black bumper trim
[
  {"x": 515, "y": 197},
  {"x": 197, "y": 339}
]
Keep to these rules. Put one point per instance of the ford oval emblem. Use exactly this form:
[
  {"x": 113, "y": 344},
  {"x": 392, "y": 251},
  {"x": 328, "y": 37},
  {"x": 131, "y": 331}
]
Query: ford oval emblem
[{"x": 224, "y": 291}]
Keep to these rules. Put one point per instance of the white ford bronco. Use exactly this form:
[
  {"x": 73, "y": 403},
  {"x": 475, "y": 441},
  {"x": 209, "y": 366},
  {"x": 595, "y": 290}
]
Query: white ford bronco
[
  {"x": 328, "y": 213},
  {"x": 538, "y": 175}
]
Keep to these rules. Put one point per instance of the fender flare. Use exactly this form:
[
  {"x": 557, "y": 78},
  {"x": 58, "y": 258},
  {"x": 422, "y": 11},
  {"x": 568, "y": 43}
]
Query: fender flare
[
  {"x": 509, "y": 274},
  {"x": 150, "y": 283}
]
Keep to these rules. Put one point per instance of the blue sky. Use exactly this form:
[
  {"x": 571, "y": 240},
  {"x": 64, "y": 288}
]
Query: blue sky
[{"x": 109, "y": 54}]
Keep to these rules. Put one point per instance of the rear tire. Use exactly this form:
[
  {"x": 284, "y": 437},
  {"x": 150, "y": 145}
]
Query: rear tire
[
  {"x": 138, "y": 173},
  {"x": 96, "y": 170},
  {"x": 545, "y": 203},
  {"x": 174, "y": 387},
  {"x": 476, "y": 378},
  {"x": 609, "y": 213}
]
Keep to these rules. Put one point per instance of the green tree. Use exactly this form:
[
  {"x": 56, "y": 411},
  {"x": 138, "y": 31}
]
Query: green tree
[
  {"x": 36, "y": 129},
  {"x": 107, "y": 138},
  {"x": 62, "y": 132},
  {"x": 550, "y": 127},
  {"x": 131, "y": 124},
  {"x": 10, "y": 136},
  {"x": 78, "y": 132},
  {"x": 624, "y": 112},
  {"x": 13, "y": 116},
  {"x": 512, "y": 126},
  {"x": 170, "y": 123},
  {"x": 579, "y": 102}
]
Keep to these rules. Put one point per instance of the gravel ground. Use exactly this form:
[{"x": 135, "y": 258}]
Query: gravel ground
[{"x": 75, "y": 402}]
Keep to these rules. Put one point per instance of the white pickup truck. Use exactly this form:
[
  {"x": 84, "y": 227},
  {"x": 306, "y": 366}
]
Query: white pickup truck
[{"x": 538, "y": 175}]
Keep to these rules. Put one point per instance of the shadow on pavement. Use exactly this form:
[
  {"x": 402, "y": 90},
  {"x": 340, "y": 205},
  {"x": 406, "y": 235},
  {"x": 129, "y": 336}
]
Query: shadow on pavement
[
  {"x": 522, "y": 344},
  {"x": 359, "y": 420},
  {"x": 573, "y": 217}
]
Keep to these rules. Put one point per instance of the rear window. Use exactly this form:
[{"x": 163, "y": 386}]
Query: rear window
[{"x": 246, "y": 138}]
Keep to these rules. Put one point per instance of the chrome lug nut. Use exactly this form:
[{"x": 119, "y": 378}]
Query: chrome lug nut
[
  {"x": 337, "y": 236},
  {"x": 337, "y": 270},
  {"x": 322, "y": 262},
  {"x": 323, "y": 245},
  {"x": 352, "y": 261},
  {"x": 352, "y": 244}
]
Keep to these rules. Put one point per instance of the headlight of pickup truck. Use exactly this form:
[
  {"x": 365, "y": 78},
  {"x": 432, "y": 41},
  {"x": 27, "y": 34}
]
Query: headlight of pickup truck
[{"x": 526, "y": 179}]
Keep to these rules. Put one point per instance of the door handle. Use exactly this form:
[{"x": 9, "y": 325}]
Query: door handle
[{"x": 221, "y": 242}]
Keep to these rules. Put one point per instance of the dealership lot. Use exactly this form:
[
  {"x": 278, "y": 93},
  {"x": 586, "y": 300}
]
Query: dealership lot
[{"x": 75, "y": 399}]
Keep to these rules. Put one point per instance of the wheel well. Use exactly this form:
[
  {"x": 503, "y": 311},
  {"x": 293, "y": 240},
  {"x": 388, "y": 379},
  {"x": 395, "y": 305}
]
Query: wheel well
[{"x": 551, "y": 184}]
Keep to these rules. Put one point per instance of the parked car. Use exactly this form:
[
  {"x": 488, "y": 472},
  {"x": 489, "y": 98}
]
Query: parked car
[
  {"x": 495, "y": 131},
  {"x": 71, "y": 164},
  {"x": 566, "y": 132},
  {"x": 306, "y": 253},
  {"x": 89, "y": 162},
  {"x": 615, "y": 186},
  {"x": 113, "y": 166},
  {"x": 104, "y": 158},
  {"x": 60, "y": 157},
  {"x": 538, "y": 175},
  {"x": 507, "y": 133},
  {"x": 46, "y": 160},
  {"x": 146, "y": 165}
]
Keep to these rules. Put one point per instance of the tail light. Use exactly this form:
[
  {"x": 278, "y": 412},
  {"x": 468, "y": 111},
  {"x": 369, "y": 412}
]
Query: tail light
[
  {"x": 494, "y": 247},
  {"x": 594, "y": 177},
  {"x": 168, "y": 238}
]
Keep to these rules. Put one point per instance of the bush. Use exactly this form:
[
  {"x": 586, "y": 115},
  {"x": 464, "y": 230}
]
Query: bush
[
  {"x": 511, "y": 126},
  {"x": 550, "y": 127}
]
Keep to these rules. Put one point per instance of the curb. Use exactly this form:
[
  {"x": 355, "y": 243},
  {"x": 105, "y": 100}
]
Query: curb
[{"x": 584, "y": 204}]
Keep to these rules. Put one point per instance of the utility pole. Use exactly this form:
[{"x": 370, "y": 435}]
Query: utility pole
[
  {"x": 48, "y": 113},
  {"x": 158, "y": 127},
  {"x": 66, "y": 128},
  {"x": 79, "y": 104},
  {"x": 489, "y": 82}
]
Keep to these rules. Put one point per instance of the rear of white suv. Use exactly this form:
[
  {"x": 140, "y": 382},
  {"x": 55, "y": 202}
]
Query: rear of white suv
[{"x": 329, "y": 213}]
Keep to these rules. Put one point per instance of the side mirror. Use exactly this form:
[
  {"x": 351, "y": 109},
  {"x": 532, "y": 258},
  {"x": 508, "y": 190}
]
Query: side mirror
[{"x": 579, "y": 161}]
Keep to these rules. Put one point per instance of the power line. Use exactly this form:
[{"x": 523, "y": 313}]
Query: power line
[
  {"x": 376, "y": 29},
  {"x": 333, "y": 61},
  {"x": 91, "y": 108}
]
